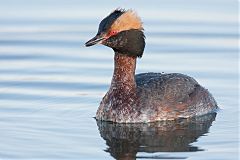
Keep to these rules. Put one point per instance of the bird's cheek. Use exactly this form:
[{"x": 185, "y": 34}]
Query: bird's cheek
[
  {"x": 110, "y": 42},
  {"x": 105, "y": 42},
  {"x": 122, "y": 42}
]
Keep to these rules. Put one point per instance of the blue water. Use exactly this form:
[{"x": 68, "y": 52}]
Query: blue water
[{"x": 51, "y": 85}]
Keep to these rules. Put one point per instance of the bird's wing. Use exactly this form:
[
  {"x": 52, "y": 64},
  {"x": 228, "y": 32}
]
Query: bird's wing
[{"x": 172, "y": 87}]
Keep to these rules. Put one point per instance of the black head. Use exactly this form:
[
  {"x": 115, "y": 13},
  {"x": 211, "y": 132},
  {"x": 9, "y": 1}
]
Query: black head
[{"x": 122, "y": 31}]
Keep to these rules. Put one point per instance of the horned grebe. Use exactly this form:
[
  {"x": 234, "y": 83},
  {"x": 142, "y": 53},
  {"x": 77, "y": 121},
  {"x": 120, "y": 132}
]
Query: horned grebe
[{"x": 145, "y": 97}]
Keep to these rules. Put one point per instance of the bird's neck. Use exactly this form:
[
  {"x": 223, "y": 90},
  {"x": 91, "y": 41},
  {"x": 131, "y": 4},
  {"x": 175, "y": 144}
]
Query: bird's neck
[{"x": 124, "y": 72}]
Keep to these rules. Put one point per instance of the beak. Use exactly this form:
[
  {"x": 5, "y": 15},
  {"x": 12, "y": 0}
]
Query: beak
[{"x": 95, "y": 40}]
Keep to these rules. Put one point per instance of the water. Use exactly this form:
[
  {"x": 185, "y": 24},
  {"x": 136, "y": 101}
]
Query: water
[{"x": 51, "y": 85}]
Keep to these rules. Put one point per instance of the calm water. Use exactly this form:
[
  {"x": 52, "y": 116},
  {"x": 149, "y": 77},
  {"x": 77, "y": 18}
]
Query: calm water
[{"x": 51, "y": 85}]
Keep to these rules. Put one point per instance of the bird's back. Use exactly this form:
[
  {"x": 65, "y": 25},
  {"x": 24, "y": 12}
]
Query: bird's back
[
  {"x": 172, "y": 87},
  {"x": 169, "y": 96}
]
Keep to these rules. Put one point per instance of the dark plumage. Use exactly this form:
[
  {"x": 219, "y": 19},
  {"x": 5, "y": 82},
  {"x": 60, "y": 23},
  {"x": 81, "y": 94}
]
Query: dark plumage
[
  {"x": 146, "y": 97},
  {"x": 130, "y": 42},
  {"x": 106, "y": 23}
]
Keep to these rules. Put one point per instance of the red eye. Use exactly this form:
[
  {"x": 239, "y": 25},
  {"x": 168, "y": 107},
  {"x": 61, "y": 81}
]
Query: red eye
[{"x": 113, "y": 33}]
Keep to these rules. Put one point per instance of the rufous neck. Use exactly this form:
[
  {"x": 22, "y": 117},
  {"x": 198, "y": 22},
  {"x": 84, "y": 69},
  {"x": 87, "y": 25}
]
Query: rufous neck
[{"x": 124, "y": 71}]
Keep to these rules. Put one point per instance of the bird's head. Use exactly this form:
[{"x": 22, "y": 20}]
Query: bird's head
[{"x": 122, "y": 31}]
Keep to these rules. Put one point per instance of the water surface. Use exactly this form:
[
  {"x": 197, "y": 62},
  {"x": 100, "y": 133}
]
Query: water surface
[{"x": 51, "y": 85}]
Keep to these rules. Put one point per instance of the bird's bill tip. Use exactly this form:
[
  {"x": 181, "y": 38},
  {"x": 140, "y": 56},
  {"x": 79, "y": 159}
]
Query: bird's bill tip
[{"x": 95, "y": 40}]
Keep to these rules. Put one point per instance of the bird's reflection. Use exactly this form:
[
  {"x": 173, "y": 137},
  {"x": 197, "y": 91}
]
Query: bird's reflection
[{"x": 126, "y": 140}]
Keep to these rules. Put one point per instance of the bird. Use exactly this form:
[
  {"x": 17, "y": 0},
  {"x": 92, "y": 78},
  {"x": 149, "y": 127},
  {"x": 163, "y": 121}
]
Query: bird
[{"x": 144, "y": 97}]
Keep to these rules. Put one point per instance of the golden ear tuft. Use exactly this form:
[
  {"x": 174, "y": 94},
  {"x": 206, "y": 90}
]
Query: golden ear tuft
[{"x": 128, "y": 20}]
